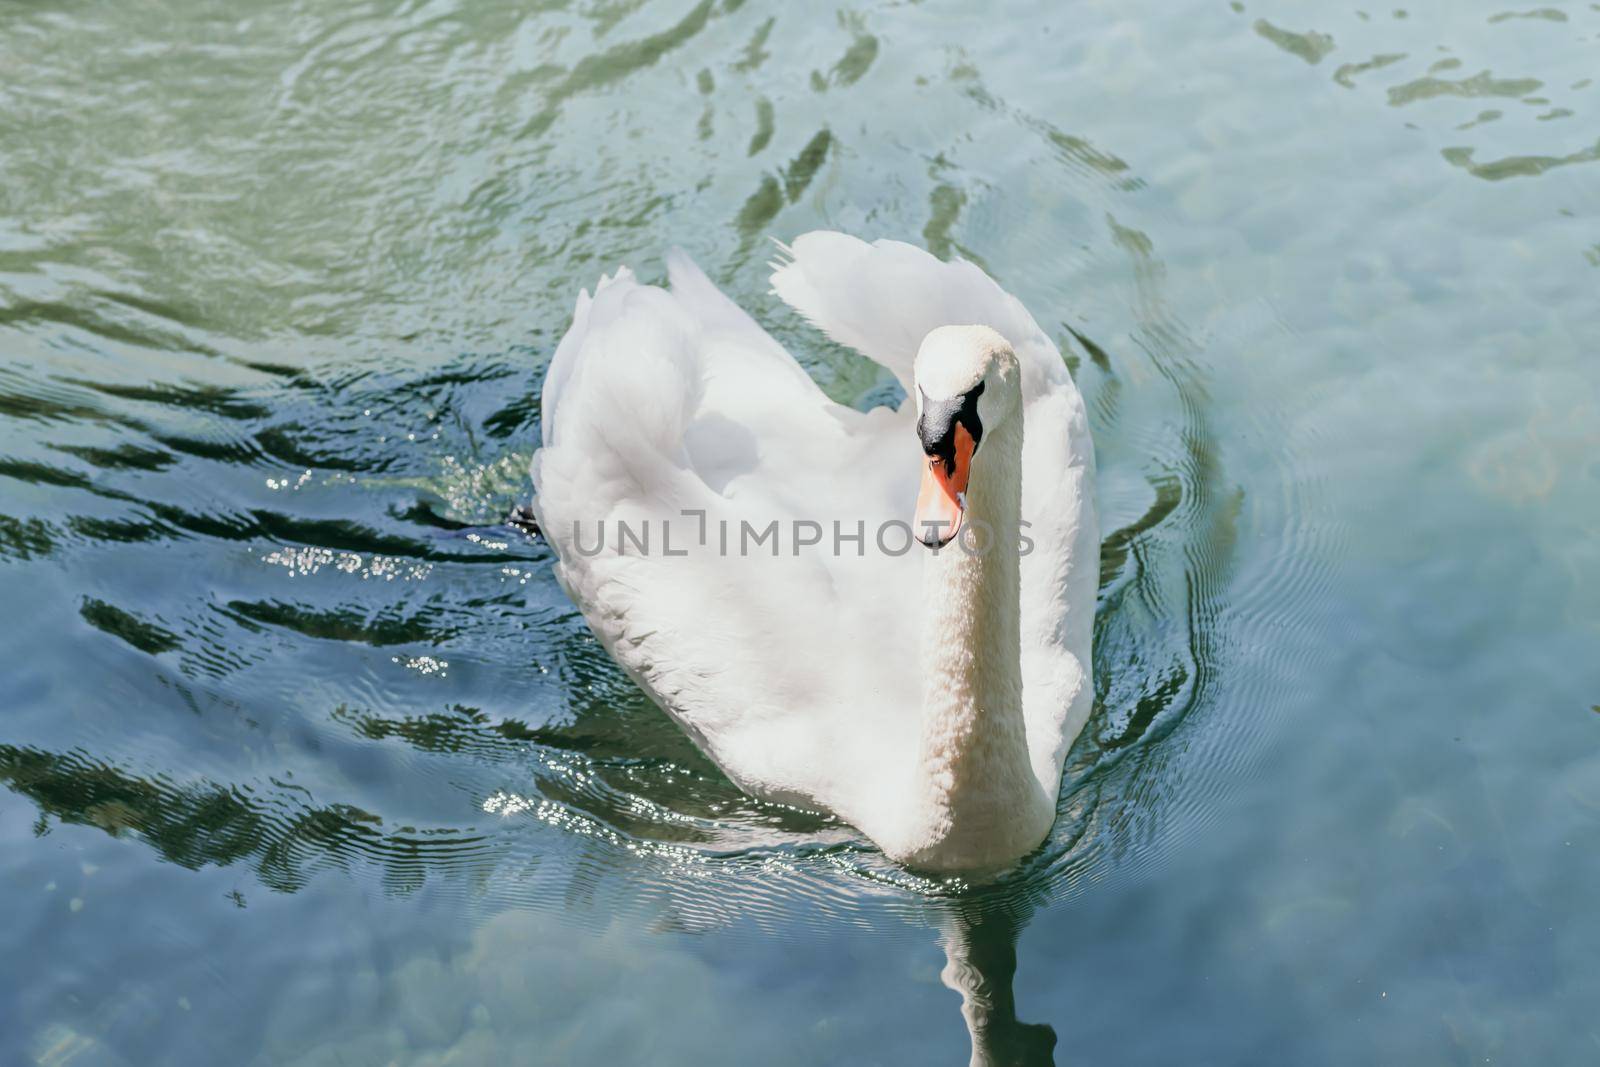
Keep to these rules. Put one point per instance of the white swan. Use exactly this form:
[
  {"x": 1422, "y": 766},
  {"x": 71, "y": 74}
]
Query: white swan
[{"x": 927, "y": 697}]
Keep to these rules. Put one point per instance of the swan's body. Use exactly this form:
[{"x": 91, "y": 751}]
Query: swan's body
[{"x": 927, "y": 698}]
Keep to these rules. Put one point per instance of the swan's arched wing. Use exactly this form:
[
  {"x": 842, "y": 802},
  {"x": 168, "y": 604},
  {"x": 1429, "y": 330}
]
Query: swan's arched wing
[
  {"x": 673, "y": 413},
  {"x": 882, "y": 299}
]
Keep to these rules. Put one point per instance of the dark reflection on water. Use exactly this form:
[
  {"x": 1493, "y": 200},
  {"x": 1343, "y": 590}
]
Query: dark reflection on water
[
  {"x": 209, "y": 823},
  {"x": 979, "y": 938}
]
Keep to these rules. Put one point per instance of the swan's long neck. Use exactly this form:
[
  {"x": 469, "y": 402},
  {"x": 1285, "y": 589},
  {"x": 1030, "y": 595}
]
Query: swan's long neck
[{"x": 977, "y": 800}]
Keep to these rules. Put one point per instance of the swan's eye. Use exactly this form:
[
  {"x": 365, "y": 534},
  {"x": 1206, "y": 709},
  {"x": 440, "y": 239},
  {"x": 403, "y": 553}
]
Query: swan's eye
[{"x": 936, "y": 426}]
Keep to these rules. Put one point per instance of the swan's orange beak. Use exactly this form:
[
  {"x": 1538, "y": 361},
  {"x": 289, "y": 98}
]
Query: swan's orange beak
[{"x": 942, "y": 499}]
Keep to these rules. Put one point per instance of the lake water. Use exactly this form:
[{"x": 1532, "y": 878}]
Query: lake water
[{"x": 307, "y": 760}]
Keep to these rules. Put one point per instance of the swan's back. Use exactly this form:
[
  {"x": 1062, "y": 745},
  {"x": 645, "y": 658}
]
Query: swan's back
[{"x": 796, "y": 672}]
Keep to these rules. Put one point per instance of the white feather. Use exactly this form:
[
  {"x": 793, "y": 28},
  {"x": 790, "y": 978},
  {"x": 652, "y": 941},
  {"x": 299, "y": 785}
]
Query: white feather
[{"x": 799, "y": 674}]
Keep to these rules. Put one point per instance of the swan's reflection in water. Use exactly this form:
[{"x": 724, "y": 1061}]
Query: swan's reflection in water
[{"x": 979, "y": 937}]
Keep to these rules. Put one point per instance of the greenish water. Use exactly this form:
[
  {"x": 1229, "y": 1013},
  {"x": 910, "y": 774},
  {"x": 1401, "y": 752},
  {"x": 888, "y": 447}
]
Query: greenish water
[{"x": 307, "y": 760}]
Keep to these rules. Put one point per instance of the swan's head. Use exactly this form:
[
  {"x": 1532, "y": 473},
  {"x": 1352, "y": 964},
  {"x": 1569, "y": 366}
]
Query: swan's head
[{"x": 967, "y": 385}]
